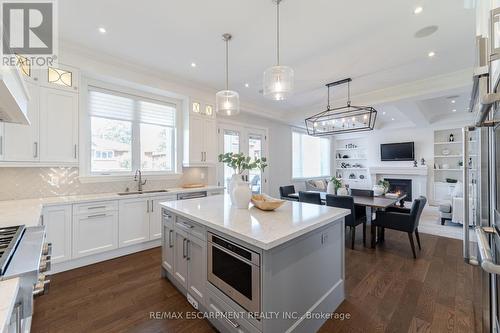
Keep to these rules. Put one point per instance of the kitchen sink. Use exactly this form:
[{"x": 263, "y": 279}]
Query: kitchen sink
[{"x": 142, "y": 192}]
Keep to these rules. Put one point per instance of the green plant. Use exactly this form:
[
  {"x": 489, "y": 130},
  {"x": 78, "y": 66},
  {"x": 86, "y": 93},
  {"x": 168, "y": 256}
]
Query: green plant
[
  {"x": 336, "y": 182},
  {"x": 384, "y": 183},
  {"x": 239, "y": 162}
]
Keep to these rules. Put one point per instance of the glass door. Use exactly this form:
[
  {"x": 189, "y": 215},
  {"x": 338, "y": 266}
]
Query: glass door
[{"x": 250, "y": 141}]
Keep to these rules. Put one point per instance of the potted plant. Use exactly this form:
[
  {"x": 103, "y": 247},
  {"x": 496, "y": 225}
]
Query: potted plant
[
  {"x": 239, "y": 191},
  {"x": 333, "y": 185},
  {"x": 381, "y": 187}
]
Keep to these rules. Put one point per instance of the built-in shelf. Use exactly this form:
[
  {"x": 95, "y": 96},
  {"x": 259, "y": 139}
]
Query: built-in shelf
[
  {"x": 448, "y": 169},
  {"x": 351, "y": 158},
  {"x": 349, "y": 149},
  {"x": 350, "y": 169},
  {"x": 447, "y": 142},
  {"x": 448, "y": 156}
]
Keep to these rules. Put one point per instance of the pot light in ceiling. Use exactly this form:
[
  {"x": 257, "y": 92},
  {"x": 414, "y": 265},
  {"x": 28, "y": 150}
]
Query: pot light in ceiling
[
  {"x": 278, "y": 79},
  {"x": 431, "y": 54},
  {"x": 102, "y": 30},
  {"x": 227, "y": 101},
  {"x": 418, "y": 10},
  {"x": 393, "y": 119},
  {"x": 454, "y": 110},
  {"x": 453, "y": 101},
  {"x": 247, "y": 85},
  {"x": 193, "y": 64},
  {"x": 383, "y": 113}
]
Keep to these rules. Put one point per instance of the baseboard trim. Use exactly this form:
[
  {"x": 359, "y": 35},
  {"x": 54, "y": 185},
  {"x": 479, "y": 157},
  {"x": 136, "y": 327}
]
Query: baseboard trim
[{"x": 93, "y": 259}]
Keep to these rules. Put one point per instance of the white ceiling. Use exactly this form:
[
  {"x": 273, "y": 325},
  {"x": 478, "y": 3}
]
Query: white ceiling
[{"x": 323, "y": 40}]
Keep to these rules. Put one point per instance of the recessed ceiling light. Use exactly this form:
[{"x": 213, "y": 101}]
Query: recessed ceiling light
[
  {"x": 247, "y": 85},
  {"x": 453, "y": 101},
  {"x": 102, "y": 30},
  {"x": 384, "y": 113},
  {"x": 454, "y": 110},
  {"x": 393, "y": 119},
  {"x": 431, "y": 54},
  {"x": 193, "y": 64},
  {"x": 418, "y": 10}
]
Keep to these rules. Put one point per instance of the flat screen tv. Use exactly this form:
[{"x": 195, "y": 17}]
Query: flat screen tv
[{"x": 403, "y": 151}]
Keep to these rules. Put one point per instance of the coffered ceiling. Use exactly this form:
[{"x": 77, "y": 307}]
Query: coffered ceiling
[{"x": 371, "y": 41}]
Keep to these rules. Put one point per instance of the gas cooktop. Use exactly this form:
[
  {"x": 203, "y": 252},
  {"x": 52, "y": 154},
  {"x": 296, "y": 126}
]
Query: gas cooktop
[{"x": 9, "y": 239}]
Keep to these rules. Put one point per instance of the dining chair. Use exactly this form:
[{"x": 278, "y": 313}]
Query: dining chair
[
  {"x": 310, "y": 197},
  {"x": 361, "y": 210},
  {"x": 352, "y": 220},
  {"x": 403, "y": 219},
  {"x": 285, "y": 192}
]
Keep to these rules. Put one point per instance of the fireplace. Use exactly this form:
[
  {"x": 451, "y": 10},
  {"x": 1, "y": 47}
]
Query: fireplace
[{"x": 400, "y": 185}]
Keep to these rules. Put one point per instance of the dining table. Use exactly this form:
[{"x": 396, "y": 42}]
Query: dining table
[{"x": 371, "y": 204}]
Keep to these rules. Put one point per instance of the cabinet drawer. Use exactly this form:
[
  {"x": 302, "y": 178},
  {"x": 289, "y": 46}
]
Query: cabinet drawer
[
  {"x": 225, "y": 316},
  {"x": 167, "y": 218},
  {"x": 95, "y": 207},
  {"x": 191, "y": 227}
]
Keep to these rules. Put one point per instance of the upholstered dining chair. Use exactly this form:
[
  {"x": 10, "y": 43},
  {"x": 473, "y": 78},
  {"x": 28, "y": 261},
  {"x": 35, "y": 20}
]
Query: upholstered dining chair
[
  {"x": 361, "y": 210},
  {"x": 285, "y": 192},
  {"x": 351, "y": 220},
  {"x": 403, "y": 219},
  {"x": 310, "y": 197}
]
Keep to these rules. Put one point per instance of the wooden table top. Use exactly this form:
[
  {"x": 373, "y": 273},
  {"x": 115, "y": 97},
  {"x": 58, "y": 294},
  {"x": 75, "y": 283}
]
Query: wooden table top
[{"x": 375, "y": 202}]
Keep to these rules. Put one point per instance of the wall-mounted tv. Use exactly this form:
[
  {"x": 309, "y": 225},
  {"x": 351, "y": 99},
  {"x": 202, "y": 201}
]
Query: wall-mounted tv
[{"x": 403, "y": 151}]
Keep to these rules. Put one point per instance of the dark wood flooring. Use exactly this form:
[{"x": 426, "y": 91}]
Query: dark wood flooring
[{"x": 387, "y": 291}]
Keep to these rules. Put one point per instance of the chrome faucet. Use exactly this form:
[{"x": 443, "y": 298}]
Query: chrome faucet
[{"x": 139, "y": 180}]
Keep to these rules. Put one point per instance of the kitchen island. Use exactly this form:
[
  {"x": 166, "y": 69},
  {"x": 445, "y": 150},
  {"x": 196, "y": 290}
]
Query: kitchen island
[{"x": 247, "y": 270}]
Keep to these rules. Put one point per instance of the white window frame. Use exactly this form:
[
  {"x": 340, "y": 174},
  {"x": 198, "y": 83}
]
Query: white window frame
[
  {"x": 86, "y": 175},
  {"x": 302, "y": 131}
]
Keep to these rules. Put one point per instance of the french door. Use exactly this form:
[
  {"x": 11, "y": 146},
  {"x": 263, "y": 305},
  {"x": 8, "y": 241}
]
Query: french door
[{"x": 236, "y": 138}]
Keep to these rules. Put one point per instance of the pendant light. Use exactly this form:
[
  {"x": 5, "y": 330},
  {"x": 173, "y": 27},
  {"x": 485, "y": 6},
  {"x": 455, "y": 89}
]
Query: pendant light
[
  {"x": 227, "y": 101},
  {"x": 278, "y": 80},
  {"x": 345, "y": 119}
]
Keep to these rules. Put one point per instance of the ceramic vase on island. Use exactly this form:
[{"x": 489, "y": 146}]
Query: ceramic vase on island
[
  {"x": 330, "y": 189},
  {"x": 232, "y": 183},
  {"x": 241, "y": 194}
]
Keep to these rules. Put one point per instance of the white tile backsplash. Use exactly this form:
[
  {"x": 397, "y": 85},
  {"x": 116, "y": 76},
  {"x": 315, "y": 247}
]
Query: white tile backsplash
[{"x": 27, "y": 183}]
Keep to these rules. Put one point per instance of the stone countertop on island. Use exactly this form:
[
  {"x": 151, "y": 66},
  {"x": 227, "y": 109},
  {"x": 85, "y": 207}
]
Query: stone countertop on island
[{"x": 262, "y": 229}]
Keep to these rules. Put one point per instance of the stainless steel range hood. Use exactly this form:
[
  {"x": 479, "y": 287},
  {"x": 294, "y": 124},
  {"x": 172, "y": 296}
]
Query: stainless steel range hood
[{"x": 14, "y": 96}]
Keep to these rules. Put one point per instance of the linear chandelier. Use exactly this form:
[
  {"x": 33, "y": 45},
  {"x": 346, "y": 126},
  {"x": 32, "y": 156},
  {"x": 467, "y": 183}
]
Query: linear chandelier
[{"x": 345, "y": 119}]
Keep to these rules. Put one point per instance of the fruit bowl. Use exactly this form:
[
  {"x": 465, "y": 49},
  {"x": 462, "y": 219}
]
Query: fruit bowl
[{"x": 265, "y": 202}]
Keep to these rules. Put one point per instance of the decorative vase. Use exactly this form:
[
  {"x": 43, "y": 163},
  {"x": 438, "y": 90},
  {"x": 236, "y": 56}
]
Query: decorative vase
[
  {"x": 241, "y": 195},
  {"x": 378, "y": 190},
  {"x": 342, "y": 191},
  {"x": 330, "y": 189},
  {"x": 232, "y": 183}
]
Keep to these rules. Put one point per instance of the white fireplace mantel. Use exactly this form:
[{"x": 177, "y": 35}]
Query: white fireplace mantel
[{"x": 418, "y": 176}]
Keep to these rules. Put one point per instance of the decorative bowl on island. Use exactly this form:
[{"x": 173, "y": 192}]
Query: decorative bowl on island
[{"x": 265, "y": 202}]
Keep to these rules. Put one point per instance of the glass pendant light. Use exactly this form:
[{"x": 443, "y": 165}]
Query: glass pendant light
[
  {"x": 278, "y": 80},
  {"x": 227, "y": 101}
]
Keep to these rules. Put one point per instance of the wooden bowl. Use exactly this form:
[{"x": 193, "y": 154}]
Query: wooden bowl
[{"x": 265, "y": 202}]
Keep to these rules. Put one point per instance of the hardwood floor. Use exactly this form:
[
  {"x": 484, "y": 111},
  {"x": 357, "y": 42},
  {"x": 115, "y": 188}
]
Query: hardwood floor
[{"x": 387, "y": 291}]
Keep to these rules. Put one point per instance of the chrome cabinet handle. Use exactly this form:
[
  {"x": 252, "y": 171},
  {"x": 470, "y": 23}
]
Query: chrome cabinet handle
[
  {"x": 170, "y": 243},
  {"x": 152, "y": 206},
  {"x": 96, "y": 216},
  {"x": 35, "y": 149},
  {"x": 147, "y": 206},
  {"x": 229, "y": 321},
  {"x": 1, "y": 144},
  {"x": 187, "y": 249},
  {"x": 184, "y": 247},
  {"x": 184, "y": 225},
  {"x": 75, "y": 151},
  {"x": 96, "y": 207}
]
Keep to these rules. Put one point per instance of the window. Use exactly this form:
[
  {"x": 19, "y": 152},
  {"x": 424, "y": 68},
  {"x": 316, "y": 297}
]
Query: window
[
  {"x": 130, "y": 132},
  {"x": 311, "y": 156}
]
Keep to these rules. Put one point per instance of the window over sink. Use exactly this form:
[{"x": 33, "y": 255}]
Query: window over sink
[{"x": 129, "y": 132}]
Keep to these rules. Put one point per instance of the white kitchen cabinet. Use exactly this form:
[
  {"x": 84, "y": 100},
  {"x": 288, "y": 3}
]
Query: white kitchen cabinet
[
  {"x": 168, "y": 249},
  {"x": 58, "y": 125},
  {"x": 201, "y": 141},
  {"x": 95, "y": 232},
  {"x": 57, "y": 221},
  {"x": 155, "y": 216},
  {"x": 197, "y": 268},
  {"x": 134, "y": 221},
  {"x": 21, "y": 142},
  {"x": 180, "y": 262}
]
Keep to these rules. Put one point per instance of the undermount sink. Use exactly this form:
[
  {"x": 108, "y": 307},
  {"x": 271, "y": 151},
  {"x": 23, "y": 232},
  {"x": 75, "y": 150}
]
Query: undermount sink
[{"x": 142, "y": 192}]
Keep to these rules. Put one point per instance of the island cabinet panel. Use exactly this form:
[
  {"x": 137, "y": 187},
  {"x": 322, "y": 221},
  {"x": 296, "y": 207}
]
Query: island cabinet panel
[
  {"x": 197, "y": 268},
  {"x": 226, "y": 324},
  {"x": 180, "y": 262},
  {"x": 167, "y": 253},
  {"x": 313, "y": 267}
]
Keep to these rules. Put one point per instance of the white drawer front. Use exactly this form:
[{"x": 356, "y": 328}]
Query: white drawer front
[{"x": 95, "y": 207}]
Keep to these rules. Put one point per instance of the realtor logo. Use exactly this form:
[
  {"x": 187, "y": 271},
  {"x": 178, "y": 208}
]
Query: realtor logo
[{"x": 29, "y": 30}]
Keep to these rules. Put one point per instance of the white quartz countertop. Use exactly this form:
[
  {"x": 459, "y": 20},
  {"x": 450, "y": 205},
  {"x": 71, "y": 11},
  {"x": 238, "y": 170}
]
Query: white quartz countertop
[
  {"x": 28, "y": 211},
  {"x": 8, "y": 293},
  {"x": 254, "y": 226}
]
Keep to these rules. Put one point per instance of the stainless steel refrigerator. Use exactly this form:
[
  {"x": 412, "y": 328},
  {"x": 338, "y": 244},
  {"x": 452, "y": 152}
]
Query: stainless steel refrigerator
[{"x": 482, "y": 179}]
